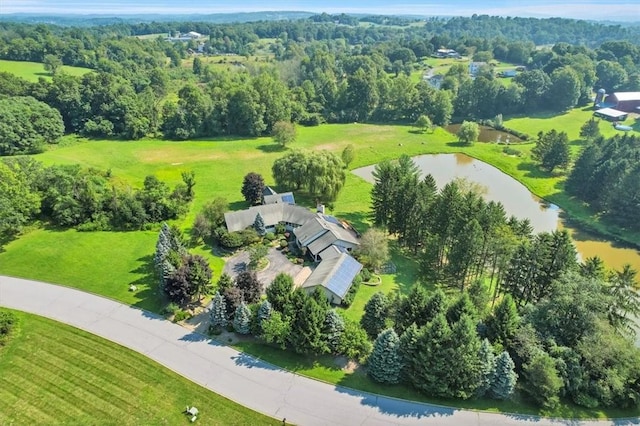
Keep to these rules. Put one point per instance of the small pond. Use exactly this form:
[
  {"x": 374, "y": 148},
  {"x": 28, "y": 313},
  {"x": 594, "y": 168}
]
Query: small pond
[{"x": 518, "y": 201}]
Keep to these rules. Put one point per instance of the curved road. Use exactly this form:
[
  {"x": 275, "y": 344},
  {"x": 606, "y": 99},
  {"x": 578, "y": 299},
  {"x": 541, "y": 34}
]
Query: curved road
[{"x": 242, "y": 378}]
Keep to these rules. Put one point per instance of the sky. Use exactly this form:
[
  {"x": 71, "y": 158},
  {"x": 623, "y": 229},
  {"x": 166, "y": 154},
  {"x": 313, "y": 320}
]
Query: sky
[{"x": 620, "y": 10}]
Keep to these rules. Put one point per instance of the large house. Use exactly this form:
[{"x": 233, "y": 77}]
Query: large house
[{"x": 325, "y": 238}]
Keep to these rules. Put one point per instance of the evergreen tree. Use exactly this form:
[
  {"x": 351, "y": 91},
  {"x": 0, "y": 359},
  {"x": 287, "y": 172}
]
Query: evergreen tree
[
  {"x": 504, "y": 379},
  {"x": 218, "y": 312},
  {"x": 503, "y": 323},
  {"x": 407, "y": 350},
  {"x": 333, "y": 329},
  {"x": 552, "y": 150},
  {"x": 258, "y": 225},
  {"x": 462, "y": 306},
  {"x": 264, "y": 312},
  {"x": 465, "y": 371},
  {"x": 242, "y": 319},
  {"x": 224, "y": 282},
  {"x": 436, "y": 304},
  {"x": 411, "y": 309},
  {"x": 384, "y": 363},
  {"x": 307, "y": 320},
  {"x": 487, "y": 367},
  {"x": 373, "y": 320},
  {"x": 430, "y": 363}
]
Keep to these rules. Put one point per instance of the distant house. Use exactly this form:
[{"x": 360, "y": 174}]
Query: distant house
[
  {"x": 446, "y": 53},
  {"x": 624, "y": 101},
  {"x": 334, "y": 276},
  {"x": 509, "y": 73},
  {"x": 611, "y": 114},
  {"x": 193, "y": 35},
  {"x": 325, "y": 238},
  {"x": 474, "y": 67}
]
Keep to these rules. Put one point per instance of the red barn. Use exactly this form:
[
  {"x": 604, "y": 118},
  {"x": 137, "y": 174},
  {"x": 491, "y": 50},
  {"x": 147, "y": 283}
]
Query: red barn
[{"x": 625, "y": 101}]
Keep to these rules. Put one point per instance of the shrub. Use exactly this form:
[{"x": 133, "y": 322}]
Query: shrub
[
  {"x": 7, "y": 320},
  {"x": 270, "y": 236},
  {"x": 510, "y": 151},
  {"x": 284, "y": 243},
  {"x": 181, "y": 315},
  {"x": 231, "y": 240},
  {"x": 280, "y": 229},
  {"x": 351, "y": 294},
  {"x": 365, "y": 274},
  {"x": 170, "y": 309}
]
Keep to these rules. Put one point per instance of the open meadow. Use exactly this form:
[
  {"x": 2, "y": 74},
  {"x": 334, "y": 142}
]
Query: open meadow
[
  {"x": 51, "y": 373},
  {"x": 32, "y": 71}
]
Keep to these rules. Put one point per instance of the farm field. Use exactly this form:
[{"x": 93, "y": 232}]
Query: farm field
[
  {"x": 32, "y": 71},
  {"x": 51, "y": 373}
]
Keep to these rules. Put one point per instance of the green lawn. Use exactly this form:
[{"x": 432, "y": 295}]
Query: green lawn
[
  {"x": 108, "y": 262},
  {"x": 32, "y": 71},
  {"x": 51, "y": 373}
]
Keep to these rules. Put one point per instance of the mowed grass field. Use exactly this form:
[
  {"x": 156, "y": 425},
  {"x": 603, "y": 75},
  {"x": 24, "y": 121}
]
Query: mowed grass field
[
  {"x": 32, "y": 71},
  {"x": 51, "y": 373}
]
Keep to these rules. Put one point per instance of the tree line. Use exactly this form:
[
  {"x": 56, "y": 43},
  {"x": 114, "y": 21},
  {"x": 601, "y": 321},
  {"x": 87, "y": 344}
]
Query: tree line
[
  {"x": 311, "y": 81},
  {"x": 606, "y": 175},
  {"x": 84, "y": 198}
]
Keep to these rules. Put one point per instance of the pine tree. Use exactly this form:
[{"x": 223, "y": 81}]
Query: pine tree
[
  {"x": 264, "y": 312},
  {"x": 218, "y": 312},
  {"x": 258, "y": 225},
  {"x": 464, "y": 373},
  {"x": 384, "y": 363},
  {"x": 333, "y": 329},
  {"x": 242, "y": 319},
  {"x": 503, "y": 323},
  {"x": 430, "y": 362},
  {"x": 504, "y": 377},
  {"x": 406, "y": 350},
  {"x": 225, "y": 281},
  {"x": 306, "y": 325},
  {"x": 462, "y": 306},
  {"x": 375, "y": 315},
  {"x": 488, "y": 367}
]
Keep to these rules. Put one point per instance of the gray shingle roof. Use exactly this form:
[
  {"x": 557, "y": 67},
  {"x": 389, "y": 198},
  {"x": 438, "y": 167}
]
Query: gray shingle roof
[
  {"x": 335, "y": 274},
  {"x": 272, "y": 214},
  {"x": 286, "y": 198}
]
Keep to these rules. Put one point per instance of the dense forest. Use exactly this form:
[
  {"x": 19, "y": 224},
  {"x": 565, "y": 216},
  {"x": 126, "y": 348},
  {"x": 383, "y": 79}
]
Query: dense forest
[{"x": 308, "y": 79}]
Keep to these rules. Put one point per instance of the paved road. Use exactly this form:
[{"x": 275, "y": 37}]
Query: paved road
[{"x": 246, "y": 380}]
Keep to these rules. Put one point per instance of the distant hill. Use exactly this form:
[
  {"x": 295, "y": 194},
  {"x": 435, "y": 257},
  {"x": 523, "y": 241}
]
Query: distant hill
[{"x": 98, "y": 19}]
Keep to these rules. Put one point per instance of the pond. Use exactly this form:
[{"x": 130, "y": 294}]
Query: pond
[{"x": 518, "y": 201}]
